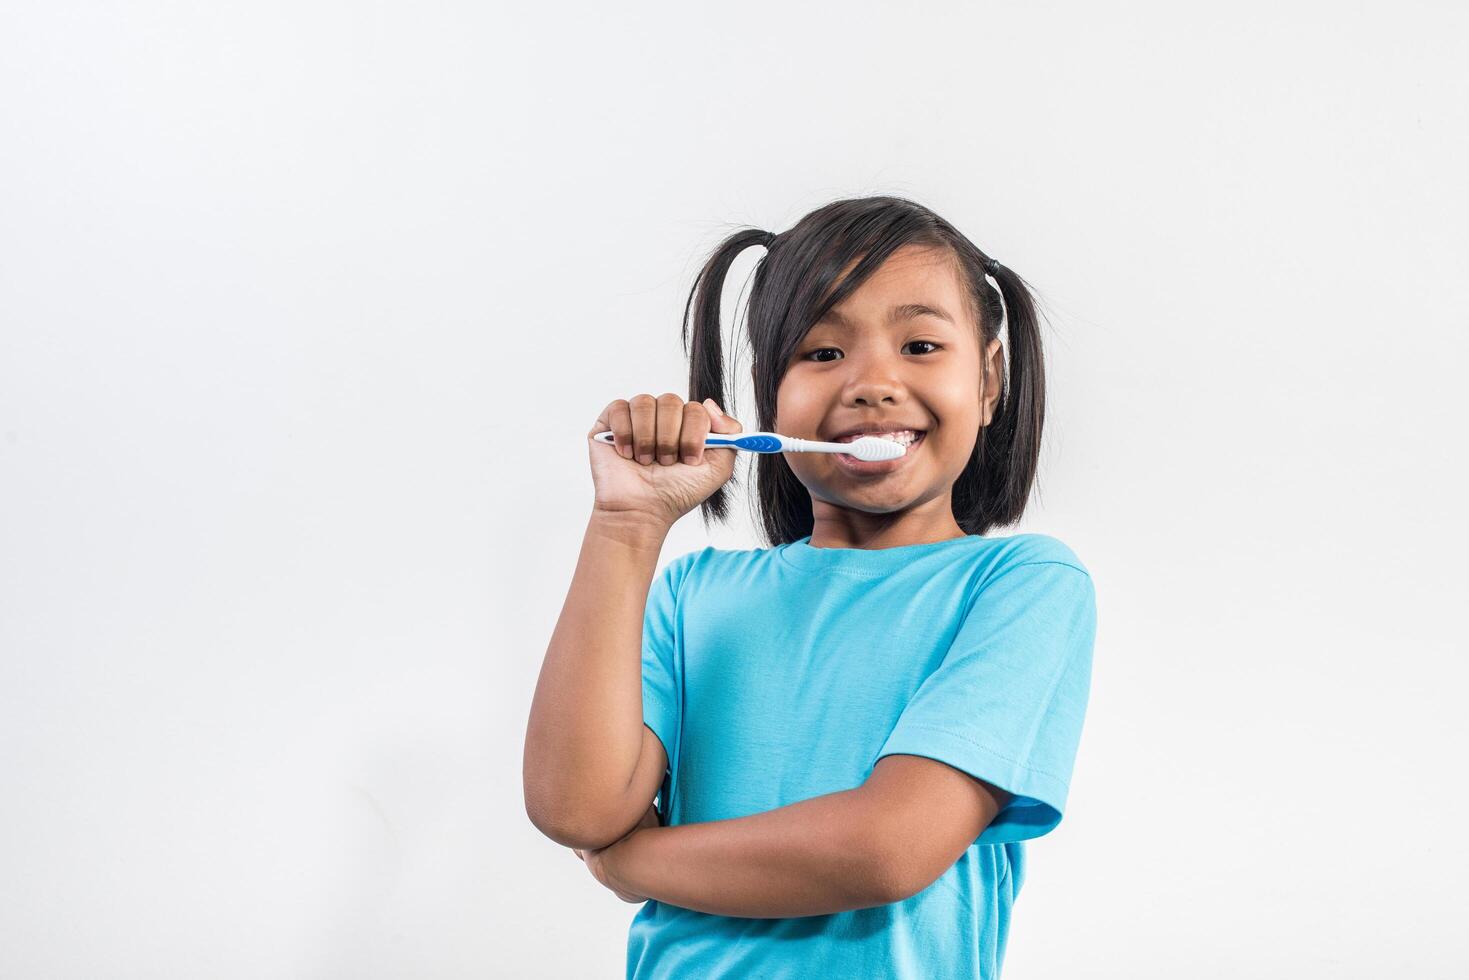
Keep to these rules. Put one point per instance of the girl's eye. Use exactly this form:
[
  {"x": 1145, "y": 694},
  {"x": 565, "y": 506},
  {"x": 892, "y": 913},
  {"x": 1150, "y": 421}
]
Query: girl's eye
[{"x": 809, "y": 354}]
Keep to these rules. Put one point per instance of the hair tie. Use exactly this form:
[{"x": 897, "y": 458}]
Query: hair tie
[
  {"x": 990, "y": 265},
  {"x": 770, "y": 238}
]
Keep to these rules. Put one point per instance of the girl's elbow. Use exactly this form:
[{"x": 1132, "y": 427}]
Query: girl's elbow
[
  {"x": 570, "y": 833},
  {"x": 888, "y": 872},
  {"x": 895, "y": 879},
  {"x": 903, "y": 867},
  {"x": 573, "y": 827}
]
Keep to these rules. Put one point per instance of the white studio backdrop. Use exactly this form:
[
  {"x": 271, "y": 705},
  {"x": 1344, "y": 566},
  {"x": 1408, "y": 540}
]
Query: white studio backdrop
[{"x": 306, "y": 308}]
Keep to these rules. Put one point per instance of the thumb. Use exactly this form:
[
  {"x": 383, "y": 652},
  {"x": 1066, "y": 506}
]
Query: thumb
[{"x": 718, "y": 421}]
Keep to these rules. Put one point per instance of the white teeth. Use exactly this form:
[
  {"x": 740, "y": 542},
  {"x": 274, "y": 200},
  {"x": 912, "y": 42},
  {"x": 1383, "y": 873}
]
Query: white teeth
[{"x": 904, "y": 438}]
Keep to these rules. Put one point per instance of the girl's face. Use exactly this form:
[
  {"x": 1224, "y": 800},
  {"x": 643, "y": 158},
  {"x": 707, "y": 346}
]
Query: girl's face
[{"x": 880, "y": 358}]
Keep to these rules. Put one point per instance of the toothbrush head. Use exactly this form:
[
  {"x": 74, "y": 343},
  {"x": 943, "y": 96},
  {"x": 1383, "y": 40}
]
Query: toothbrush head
[{"x": 873, "y": 449}]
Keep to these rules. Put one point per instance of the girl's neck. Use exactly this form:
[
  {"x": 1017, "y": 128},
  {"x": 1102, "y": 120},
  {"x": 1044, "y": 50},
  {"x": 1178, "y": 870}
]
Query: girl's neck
[{"x": 838, "y": 527}]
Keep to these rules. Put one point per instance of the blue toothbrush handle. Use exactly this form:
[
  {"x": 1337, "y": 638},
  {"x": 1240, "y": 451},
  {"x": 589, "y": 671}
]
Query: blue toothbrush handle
[{"x": 755, "y": 442}]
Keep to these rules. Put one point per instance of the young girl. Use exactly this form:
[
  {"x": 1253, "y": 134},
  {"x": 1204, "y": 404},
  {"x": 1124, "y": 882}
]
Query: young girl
[{"x": 849, "y": 732}]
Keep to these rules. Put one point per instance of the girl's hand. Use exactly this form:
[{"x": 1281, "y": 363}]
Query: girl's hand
[
  {"x": 593, "y": 858},
  {"x": 668, "y": 432}
]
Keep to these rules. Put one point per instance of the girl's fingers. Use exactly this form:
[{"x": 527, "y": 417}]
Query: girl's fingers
[
  {"x": 723, "y": 423},
  {"x": 665, "y": 428},
  {"x": 670, "y": 422},
  {"x": 619, "y": 420},
  {"x": 644, "y": 412},
  {"x": 695, "y": 428}
]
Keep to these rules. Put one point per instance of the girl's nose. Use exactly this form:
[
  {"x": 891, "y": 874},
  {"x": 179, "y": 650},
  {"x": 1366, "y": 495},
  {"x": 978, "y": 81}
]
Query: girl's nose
[
  {"x": 873, "y": 381},
  {"x": 875, "y": 391}
]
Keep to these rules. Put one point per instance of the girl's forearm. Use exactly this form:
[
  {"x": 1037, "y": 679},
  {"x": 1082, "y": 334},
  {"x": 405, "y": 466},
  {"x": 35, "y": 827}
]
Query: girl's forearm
[
  {"x": 585, "y": 732},
  {"x": 814, "y": 857}
]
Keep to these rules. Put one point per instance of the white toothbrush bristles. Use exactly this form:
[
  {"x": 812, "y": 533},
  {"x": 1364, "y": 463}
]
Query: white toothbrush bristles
[{"x": 873, "y": 449}]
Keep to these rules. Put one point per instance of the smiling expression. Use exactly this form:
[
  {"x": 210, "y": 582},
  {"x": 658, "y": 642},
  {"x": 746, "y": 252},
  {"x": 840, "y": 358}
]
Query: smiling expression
[{"x": 901, "y": 352}]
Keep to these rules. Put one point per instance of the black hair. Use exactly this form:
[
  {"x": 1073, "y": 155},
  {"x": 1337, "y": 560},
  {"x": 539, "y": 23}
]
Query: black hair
[{"x": 792, "y": 290}]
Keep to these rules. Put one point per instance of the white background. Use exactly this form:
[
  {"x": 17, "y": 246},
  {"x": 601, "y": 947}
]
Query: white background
[{"x": 306, "y": 308}]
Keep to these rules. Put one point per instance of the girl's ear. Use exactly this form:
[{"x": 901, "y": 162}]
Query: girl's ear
[{"x": 993, "y": 364}]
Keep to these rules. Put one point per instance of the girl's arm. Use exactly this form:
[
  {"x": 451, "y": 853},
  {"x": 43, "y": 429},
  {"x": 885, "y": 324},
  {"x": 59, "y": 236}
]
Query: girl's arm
[
  {"x": 591, "y": 767},
  {"x": 822, "y": 855},
  {"x": 882, "y": 842}
]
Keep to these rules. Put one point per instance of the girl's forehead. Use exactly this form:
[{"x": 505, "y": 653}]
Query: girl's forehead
[{"x": 931, "y": 272}]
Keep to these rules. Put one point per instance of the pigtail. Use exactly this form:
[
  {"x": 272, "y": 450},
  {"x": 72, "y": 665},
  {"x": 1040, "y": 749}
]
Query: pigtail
[
  {"x": 1009, "y": 447},
  {"x": 703, "y": 344}
]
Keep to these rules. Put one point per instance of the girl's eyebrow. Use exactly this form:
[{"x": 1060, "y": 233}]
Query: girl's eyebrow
[{"x": 903, "y": 311}]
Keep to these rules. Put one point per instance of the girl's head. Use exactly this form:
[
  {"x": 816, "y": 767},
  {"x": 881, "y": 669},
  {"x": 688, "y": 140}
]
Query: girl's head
[{"x": 876, "y": 310}]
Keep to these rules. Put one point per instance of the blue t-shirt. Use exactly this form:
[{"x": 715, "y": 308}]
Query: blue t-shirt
[{"x": 775, "y": 675}]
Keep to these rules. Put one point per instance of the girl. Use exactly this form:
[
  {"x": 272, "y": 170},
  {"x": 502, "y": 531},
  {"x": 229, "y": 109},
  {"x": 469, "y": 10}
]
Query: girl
[{"x": 851, "y": 731}]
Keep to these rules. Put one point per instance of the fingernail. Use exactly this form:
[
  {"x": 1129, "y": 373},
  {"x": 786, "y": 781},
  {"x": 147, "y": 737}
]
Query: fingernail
[
  {"x": 690, "y": 458},
  {"x": 626, "y": 452},
  {"x": 645, "y": 458},
  {"x": 714, "y": 406},
  {"x": 666, "y": 459}
]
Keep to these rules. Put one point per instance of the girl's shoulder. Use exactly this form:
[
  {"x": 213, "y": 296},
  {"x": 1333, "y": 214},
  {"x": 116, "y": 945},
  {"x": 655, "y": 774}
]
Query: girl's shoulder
[
  {"x": 709, "y": 560},
  {"x": 1032, "y": 548}
]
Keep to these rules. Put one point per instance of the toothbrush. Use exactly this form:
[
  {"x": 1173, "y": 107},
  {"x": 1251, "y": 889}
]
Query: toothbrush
[{"x": 870, "y": 448}]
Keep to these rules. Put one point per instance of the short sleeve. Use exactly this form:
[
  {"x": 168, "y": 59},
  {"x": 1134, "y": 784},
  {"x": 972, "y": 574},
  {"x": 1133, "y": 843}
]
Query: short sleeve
[
  {"x": 1007, "y": 701},
  {"x": 660, "y": 660}
]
